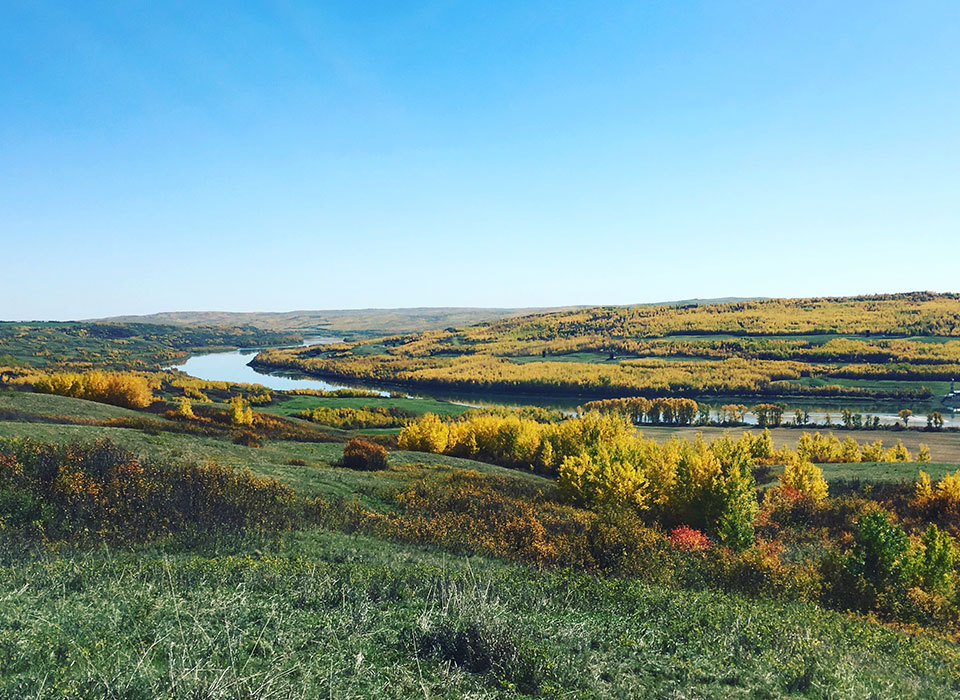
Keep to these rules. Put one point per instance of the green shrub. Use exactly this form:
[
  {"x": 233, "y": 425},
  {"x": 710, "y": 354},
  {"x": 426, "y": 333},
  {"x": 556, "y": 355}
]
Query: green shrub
[{"x": 880, "y": 550}]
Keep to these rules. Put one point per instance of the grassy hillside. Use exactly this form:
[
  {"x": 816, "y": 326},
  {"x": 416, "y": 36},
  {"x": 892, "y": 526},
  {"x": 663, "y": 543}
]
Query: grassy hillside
[
  {"x": 896, "y": 347},
  {"x": 332, "y": 615},
  {"x": 122, "y": 345}
]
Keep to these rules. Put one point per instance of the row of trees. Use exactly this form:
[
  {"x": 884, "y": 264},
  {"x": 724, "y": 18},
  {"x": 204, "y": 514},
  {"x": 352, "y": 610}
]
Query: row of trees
[
  {"x": 641, "y": 410},
  {"x": 358, "y": 418},
  {"x": 515, "y": 441}
]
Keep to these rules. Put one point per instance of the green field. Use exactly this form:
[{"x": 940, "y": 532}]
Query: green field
[
  {"x": 290, "y": 406},
  {"x": 332, "y": 615}
]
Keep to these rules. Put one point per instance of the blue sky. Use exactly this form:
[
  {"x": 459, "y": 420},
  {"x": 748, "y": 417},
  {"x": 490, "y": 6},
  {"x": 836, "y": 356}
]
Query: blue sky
[{"x": 304, "y": 155}]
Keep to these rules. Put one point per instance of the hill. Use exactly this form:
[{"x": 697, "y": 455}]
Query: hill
[
  {"x": 342, "y": 321},
  {"x": 369, "y": 322},
  {"x": 899, "y": 346}
]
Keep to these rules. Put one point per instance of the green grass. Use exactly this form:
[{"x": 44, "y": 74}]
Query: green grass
[
  {"x": 319, "y": 476},
  {"x": 877, "y": 472},
  {"x": 48, "y": 405},
  {"x": 291, "y": 406},
  {"x": 323, "y": 614},
  {"x": 332, "y": 615}
]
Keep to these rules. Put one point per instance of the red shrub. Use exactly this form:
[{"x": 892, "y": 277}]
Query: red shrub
[{"x": 686, "y": 538}]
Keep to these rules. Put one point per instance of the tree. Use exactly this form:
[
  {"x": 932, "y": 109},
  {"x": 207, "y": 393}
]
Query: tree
[
  {"x": 703, "y": 411},
  {"x": 240, "y": 412},
  {"x": 805, "y": 477},
  {"x": 905, "y": 414},
  {"x": 846, "y": 417},
  {"x": 935, "y": 420},
  {"x": 185, "y": 408}
]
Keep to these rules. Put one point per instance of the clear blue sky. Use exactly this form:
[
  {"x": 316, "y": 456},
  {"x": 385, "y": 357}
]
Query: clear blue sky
[{"x": 274, "y": 156}]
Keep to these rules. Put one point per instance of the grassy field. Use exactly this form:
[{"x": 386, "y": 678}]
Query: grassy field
[
  {"x": 290, "y": 406},
  {"x": 332, "y": 615},
  {"x": 49, "y": 405}
]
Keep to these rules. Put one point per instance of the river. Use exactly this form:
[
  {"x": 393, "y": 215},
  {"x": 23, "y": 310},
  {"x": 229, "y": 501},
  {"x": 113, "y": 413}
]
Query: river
[{"x": 232, "y": 367}]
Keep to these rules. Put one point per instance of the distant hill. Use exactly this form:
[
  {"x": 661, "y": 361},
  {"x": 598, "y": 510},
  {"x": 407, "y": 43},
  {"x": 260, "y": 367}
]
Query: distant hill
[
  {"x": 340, "y": 321},
  {"x": 368, "y": 322}
]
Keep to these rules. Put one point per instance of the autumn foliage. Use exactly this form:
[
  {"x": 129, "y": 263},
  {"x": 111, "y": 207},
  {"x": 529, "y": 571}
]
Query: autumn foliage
[
  {"x": 117, "y": 388},
  {"x": 96, "y": 490},
  {"x": 361, "y": 454}
]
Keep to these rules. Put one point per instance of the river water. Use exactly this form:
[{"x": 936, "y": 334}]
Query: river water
[{"x": 232, "y": 367}]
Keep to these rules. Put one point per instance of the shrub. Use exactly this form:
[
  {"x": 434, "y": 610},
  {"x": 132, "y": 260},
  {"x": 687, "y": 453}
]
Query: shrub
[
  {"x": 940, "y": 502},
  {"x": 880, "y": 551},
  {"x": 689, "y": 540},
  {"x": 97, "y": 490},
  {"x": 240, "y": 412},
  {"x": 935, "y": 560},
  {"x": 898, "y": 453},
  {"x": 621, "y": 543},
  {"x": 184, "y": 408},
  {"x": 247, "y": 438},
  {"x": 360, "y": 454},
  {"x": 427, "y": 434}
]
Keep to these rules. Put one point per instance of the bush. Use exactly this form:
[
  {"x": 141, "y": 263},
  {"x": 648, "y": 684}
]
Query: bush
[
  {"x": 877, "y": 562},
  {"x": 117, "y": 388},
  {"x": 620, "y": 543},
  {"x": 804, "y": 477},
  {"x": 360, "y": 454},
  {"x": 687, "y": 539},
  {"x": 98, "y": 491},
  {"x": 247, "y": 438}
]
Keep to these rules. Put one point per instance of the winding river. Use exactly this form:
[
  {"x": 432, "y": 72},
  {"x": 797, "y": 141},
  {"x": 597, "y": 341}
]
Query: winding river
[{"x": 232, "y": 367}]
